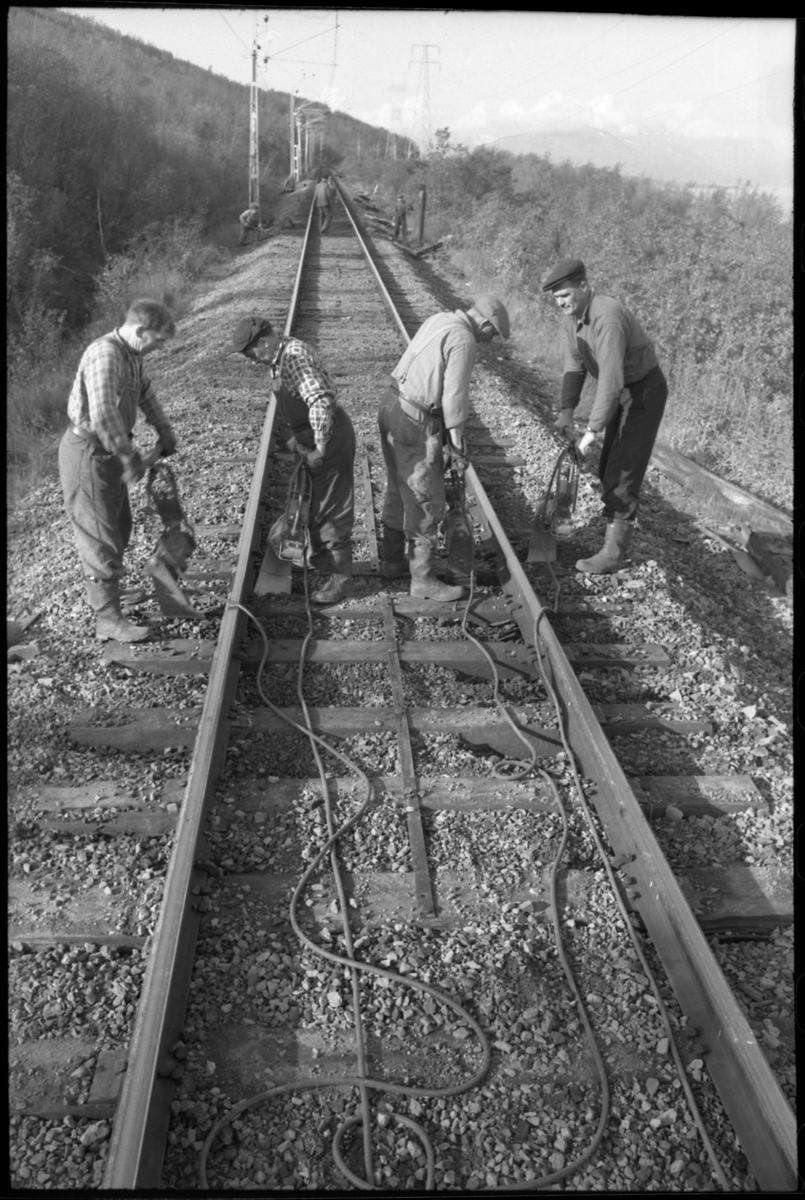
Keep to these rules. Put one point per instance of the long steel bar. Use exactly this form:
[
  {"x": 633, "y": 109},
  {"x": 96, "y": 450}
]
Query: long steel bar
[
  {"x": 749, "y": 1092},
  {"x": 416, "y": 834},
  {"x": 137, "y": 1144},
  {"x": 384, "y": 295},
  {"x": 369, "y": 511},
  {"x": 756, "y": 1105},
  {"x": 135, "y": 1152}
]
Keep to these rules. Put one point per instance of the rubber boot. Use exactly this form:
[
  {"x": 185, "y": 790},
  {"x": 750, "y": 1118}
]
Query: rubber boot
[
  {"x": 425, "y": 584},
  {"x": 104, "y": 598},
  {"x": 339, "y": 585},
  {"x": 395, "y": 559},
  {"x": 611, "y": 556}
]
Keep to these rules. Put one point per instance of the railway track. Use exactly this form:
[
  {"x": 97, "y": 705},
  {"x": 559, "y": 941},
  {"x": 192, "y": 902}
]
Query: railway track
[{"x": 252, "y": 810}]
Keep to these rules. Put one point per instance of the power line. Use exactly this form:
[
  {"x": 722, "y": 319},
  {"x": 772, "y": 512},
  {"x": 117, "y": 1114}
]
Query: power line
[
  {"x": 696, "y": 50},
  {"x": 665, "y": 50},
  {"x": 748, "y": 83},
  {"x": 233, "y": 31},
  {"x": 307, "y": 39},
  {"x": 581, "y": 107}
]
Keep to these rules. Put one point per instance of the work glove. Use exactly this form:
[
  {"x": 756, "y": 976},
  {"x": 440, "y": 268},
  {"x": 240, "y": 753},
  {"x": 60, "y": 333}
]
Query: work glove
[
  {"x": 133, "y": 469},
  {"x": 167, "y": 440},
  {"x": 293, "y": 446},
  {"x": 565, "y": 425},
  {"x": 585, "y": 442},
  {"x": 456, "y": 457}
]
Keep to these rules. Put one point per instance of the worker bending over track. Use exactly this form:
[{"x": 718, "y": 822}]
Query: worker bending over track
[
  {"x": 250, "y": 223},
  {"x": 323, "y": 435},
  {"x": 603, "y": 338},
  {"x": 97, "y": 460},
  {"x": 422, "y": 417}
]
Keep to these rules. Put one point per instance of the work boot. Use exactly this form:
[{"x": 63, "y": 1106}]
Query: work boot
[
  {"x": 339, "y": 585},
  {"x": 395, "y": 559},
  {"x": 425, "y": 584},
  {"x": 610, "y": 557},
  {"x": 104, "y": 597}
]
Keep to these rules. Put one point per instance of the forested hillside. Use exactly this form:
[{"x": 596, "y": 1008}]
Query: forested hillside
[{"x": 106, "y": 136}]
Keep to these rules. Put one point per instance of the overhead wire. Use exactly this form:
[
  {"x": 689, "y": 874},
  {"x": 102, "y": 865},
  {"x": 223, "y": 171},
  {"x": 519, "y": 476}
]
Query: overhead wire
[
  {"x": 581, "y": 107},
  {"x": 681, "y": 58},
  {"x": 233, "y": 31}
]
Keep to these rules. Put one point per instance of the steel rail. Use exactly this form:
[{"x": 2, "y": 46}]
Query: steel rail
[
  {"x": 137, "y": 1144},
  {"x": 753, "y": 1099},
  {"x": 362, "y": 237},
  {"x": 760, "y": 1113}
]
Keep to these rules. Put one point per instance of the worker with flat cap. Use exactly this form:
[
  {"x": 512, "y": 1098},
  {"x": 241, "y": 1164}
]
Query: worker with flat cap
[
  {"x": 602, "y": 338},
  {"x": 322, "y": 434},
  {"x": 422, "y": 417}
]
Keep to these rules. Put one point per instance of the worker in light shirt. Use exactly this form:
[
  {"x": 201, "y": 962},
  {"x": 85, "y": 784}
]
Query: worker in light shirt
[
  {"x": 602, "y": 338},
  {"x": 98, "y": 460},
  {"x": 323, "y": 435},
  {"x": 422, "y": 417}
]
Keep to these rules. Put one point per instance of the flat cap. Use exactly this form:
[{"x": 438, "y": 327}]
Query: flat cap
[
  {"x": 249, "y": 330},
  {"x": 567, "y": 269},
  {"x": 494, "y": 311}
]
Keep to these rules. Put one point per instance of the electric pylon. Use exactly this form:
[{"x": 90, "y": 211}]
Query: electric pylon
[{"x": 422, "y": 105}]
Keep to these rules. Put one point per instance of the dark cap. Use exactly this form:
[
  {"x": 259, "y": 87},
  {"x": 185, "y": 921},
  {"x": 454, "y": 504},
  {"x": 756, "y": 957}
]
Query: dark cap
[
  {"x": 249, "y": 330},
  {"x": 563, "y": 272},
  {"x": 493, "y": 310}
]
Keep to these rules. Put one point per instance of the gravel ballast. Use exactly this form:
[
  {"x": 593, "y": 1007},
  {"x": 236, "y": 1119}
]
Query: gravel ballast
[{"x": 729, "y": 637}]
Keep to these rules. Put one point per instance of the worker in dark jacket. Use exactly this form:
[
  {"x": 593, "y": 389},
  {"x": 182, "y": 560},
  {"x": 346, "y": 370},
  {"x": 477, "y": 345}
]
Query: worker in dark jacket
[
  {"x": 422, "y": 417},
  {"x": 602, "y": 338},
  {"x": 98, "y": 460},
  {"x": 322, "y": 434},
  {"x": 401, "y": 209}
]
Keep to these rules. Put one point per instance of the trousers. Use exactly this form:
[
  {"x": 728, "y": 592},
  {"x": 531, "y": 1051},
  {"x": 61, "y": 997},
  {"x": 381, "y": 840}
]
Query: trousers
[
  {"x": 97, "y": 502},
  {"x": 628, "y": 441},
  {"x": 414, "y": 458},
  {"x": 332, "y": 505},
  {"x": 325, "y": 215}
]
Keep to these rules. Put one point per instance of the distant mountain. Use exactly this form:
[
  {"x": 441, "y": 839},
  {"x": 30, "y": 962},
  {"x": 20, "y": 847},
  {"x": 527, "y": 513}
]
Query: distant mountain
[{"x": 666, "y": 157}]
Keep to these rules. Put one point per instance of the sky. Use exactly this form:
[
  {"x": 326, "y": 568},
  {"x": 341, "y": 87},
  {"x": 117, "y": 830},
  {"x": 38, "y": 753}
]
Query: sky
[{"x": 490, "y": 74}]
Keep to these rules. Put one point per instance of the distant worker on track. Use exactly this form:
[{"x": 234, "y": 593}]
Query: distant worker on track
[
  {"x": 422, "y": 417},
  {"x": 401, "y": 210},
  {"x": 602, "y": 338},
  {"x": 249, "y": 224},
  {"x": 324, "y": 204},
  {"x": 322, "y": 434},
  {"x": 98, "y": 462}
]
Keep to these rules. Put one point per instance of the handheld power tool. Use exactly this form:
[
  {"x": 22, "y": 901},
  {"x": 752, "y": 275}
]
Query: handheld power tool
[
  {"x": 176, "y": 542},
  {"x": 458, "y": 538},
  {"x": 288, "y": 538},
  {"x": 555, "y": 507}
]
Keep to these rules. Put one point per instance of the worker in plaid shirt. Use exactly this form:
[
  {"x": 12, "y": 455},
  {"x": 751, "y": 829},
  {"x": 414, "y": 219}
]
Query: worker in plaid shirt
[
  {"x": 323, "y": 435},
  {"x": 98, "y": 461}
]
